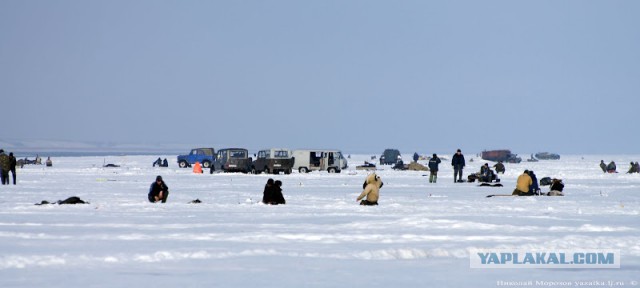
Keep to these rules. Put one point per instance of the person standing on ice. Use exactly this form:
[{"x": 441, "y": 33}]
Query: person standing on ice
[
  {"x": 158, "y": 191},
  {"x": 5, "y": 166},
  {"x": 433, "y": 168},
  {"x": 457, "y": 161},
  {"x": 12, "y": 167},
  {"x": 523, "y": 184}
]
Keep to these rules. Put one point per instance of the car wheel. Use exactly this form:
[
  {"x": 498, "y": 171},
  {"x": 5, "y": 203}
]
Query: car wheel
[
  {"x": 253, "y": 170},
  {"x": 303, "y": 170},
  {"x": 331, "y": 170},
  {"x": 266, "y": 170},
  {"x": 183, "y": 164},
  {"x": 206, "y": 164}
]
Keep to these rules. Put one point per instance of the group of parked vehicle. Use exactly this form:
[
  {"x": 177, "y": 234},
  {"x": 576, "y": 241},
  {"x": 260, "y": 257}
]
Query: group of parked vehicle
[
  {"x": 277, "y": 160},
  {"x": 508, "y": 157},
  {"x": 273, "y": 160}
]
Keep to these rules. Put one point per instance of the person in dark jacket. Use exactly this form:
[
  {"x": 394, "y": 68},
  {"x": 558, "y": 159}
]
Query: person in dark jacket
[
  {"x": 12, "y": 167},
  {"x": 484, "y": 168},
  {"x": 165, "y": 163},
  {"x": 416, "y": 157},
  {"x": 158, "y": 191},
  {"x": 278, "y": 198},
  {"x": 534, "y": 189},
  {"x": 557, "y": 185},
  {"x": 433, "y": 168},
  {"x": 556, "y": 188},
  {"x": 603, "y": 166},
  {"x": 611, "y": 168},
  {"x": 267, "y": 194},
  {"x": 486, "y": 175},
  {"x": 499, "y": 167},
  {"x": 157, "y": 162},
  {"x": 457, "y": 161}
]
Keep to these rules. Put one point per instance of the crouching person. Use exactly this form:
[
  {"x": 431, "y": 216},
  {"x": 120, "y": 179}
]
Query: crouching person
[
  {"x": 523, "y": 184},
  {"x": 556, "y": 188},
  {"x": 272, "y": 194},
  {"x": 371, "y": 191},
  {"x": 158, "y": 191}
]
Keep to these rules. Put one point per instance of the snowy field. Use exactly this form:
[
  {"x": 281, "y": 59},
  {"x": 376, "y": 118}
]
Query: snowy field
[{"x": 419, "y": 236}]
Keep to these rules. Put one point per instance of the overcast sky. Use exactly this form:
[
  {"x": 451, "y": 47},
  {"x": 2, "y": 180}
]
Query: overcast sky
[{"x": 361, "y": 76}]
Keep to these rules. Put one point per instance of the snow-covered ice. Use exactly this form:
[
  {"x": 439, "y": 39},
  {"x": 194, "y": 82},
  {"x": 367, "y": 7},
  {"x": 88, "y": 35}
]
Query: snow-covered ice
[{"x": 419, "y": 236}]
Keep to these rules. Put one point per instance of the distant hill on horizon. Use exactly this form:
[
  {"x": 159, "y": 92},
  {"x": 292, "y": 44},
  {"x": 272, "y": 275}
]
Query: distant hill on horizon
[{"x": 92, "y": 147}]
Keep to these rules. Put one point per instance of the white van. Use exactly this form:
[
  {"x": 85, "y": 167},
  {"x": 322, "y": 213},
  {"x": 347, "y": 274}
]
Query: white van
[{"x": 331, "y": 161}]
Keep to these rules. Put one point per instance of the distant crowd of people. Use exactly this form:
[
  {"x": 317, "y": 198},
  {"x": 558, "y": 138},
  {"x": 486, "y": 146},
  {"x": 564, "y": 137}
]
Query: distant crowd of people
[
  {"x": 611, "y": 167},
  {"x": 526, "y": 184},
  {"x": 608, "y": 168},
  {"x": 161, "y": 163},
  {"x": 9, "y": 163}
]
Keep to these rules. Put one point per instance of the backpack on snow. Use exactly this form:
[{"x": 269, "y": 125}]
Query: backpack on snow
[{"x": 545, "y": 181}]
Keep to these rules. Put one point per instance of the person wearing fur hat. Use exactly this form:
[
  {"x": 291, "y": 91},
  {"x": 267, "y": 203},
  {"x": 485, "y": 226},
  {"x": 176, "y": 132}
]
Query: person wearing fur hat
[{"x": 371, "y": 191}]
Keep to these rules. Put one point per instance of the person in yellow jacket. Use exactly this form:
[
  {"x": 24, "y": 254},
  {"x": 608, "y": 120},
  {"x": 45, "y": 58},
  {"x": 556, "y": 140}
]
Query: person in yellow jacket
[
  {"x": 522, "y": 186},
  {"x": 197, "y": 168}
]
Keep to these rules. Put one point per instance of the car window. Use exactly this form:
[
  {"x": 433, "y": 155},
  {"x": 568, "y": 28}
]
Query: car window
[
  {"x": 281, "y": 154},
  {"x": 238, "y": 154}
]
